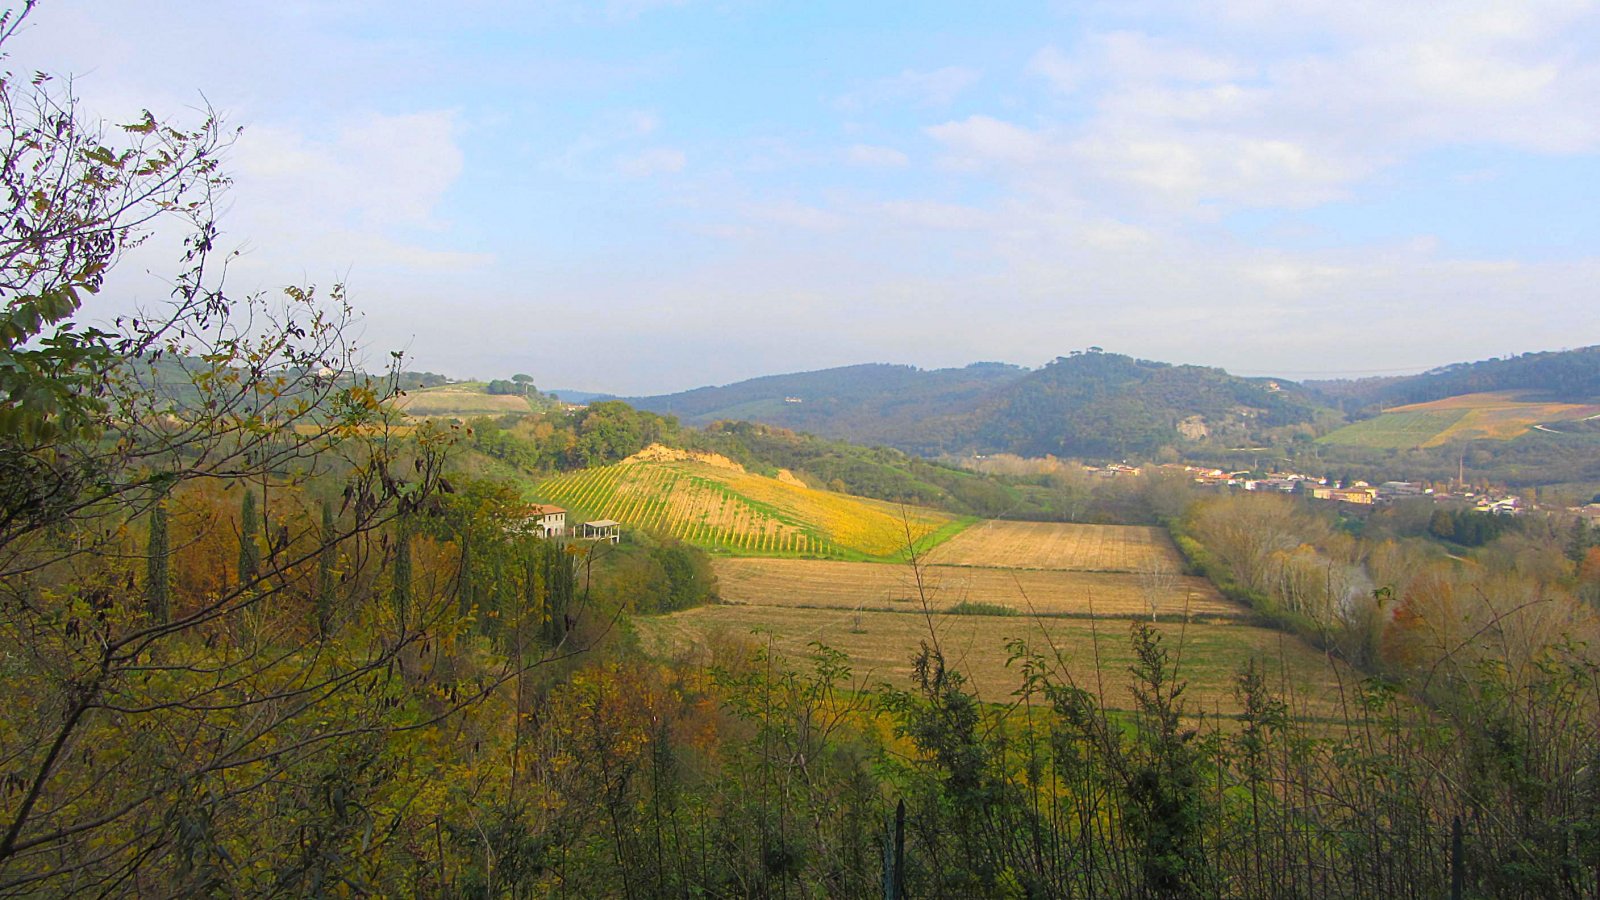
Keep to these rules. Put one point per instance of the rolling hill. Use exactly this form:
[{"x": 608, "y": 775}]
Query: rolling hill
[
  {"x": 713, "y": 503},
  {"x": 1090, "y": 404},
  {"x": 1106, "y": 405},
  {"x": 916, "y": 410}
]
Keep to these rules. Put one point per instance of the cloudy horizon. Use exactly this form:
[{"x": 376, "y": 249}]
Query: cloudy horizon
[{"x": 644, "y": 196}]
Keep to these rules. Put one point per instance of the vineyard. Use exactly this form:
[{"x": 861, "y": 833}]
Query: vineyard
[{"x": 726, "y": 509}]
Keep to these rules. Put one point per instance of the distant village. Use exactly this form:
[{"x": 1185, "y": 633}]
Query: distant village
[{"x": 1355, "y": 493}]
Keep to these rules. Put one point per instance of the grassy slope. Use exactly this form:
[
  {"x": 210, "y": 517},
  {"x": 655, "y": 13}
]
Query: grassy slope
[
  {"x": 1501, "y": 415},
  {"x": 730, "y": 511}
]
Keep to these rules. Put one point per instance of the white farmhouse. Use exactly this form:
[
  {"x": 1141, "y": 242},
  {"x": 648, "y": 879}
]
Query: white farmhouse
[{"x": 544, "y": 520}]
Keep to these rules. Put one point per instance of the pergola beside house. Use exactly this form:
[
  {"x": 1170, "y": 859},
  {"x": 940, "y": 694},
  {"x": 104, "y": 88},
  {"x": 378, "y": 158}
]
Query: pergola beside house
[{"x": 602, "y": 530}]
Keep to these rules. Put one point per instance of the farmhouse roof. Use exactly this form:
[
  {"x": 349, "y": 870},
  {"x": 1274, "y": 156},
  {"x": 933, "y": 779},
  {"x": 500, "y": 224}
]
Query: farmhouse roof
[{"x": 540, "y": 510}]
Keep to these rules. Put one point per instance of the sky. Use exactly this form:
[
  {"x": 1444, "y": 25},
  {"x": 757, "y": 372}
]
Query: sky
[{"x": 644, "y": 196}]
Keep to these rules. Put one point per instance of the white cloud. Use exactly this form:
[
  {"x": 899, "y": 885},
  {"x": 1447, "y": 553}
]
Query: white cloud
[
  {"x": 983, "y": 139},
  {"x": 1131, "y": 55},
  {"x": 933, "y": 88},
  {"x": 1176, "y": 170},
  {"x": 1294, "y": 104},
  {"x": 654, "y": 161},
  {"x": 933, "y": 214},
  {"x": 1293, "y": 277},
  {"x": 1111, "y": 235},
  {"x": 876, "y": 157},
  {"x": 1056, "y": 67},
  {"x": 358, "y": 197},
  {"x": 793, "y": 214},
  {"x": 376, "y": 170},
  {"x": 641, "y": 122}
]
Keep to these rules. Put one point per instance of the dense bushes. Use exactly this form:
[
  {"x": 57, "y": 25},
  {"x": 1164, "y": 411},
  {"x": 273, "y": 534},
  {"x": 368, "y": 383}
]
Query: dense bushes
[
  {"x": 651, "y": 575},
  {"x": 771, "y": 778}
]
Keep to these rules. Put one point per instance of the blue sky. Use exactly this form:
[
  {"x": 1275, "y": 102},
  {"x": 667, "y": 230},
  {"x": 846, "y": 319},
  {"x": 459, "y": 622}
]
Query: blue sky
[{"x": 642, "y": 196}]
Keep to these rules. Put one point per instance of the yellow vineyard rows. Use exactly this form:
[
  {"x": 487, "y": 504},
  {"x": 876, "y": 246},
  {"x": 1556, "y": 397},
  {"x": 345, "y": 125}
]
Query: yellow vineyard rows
[{"x": 721, "y": 508}]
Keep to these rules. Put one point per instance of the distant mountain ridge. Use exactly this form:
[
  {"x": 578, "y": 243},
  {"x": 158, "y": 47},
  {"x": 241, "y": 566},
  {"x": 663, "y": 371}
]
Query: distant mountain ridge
[
  {"x": 918, "y": 410},
  {"x": 1090, "y": 404}
]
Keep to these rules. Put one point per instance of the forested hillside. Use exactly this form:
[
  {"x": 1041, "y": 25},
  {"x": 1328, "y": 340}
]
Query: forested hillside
[
  {"x": 1106, "y": 405},
  {"x": 1092, "y": 404},
  {"x": 1570, "y": 376},
  {"x": 917, "y": 410}
]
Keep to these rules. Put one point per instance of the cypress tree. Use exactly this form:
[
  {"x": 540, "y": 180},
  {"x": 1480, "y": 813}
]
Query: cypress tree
[
  {"x": 464, "y": 581},
  {"x": 157, "y": 578},
  {"x": 560, "y": 584},
  {"x": 400, "y": 594},
  {"x": 325, "y": 563},
  {"x": 530, "y": 606},
  {"x": 249, "y": 549},
  {"x": 492, "y": 621}
]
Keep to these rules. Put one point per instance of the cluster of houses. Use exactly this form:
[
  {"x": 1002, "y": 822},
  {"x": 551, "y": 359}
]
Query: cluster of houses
[
  {"x": 1359, "y": 493},
  {"x": 548, "y": 521}
]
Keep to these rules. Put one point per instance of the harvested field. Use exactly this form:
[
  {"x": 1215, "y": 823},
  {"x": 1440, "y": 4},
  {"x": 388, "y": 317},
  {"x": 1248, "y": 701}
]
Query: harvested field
[
  {"x": 881, "y": 644},
  {"x": 1052, "y": 545},
  {"x": 846, "y": 585}
]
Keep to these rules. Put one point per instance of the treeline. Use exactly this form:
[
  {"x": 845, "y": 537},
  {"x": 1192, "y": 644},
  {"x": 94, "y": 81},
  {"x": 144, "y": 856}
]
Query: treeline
[
  {"x": 562, "y": 440},
  {"x": 1391, "y": 594},
  {"x": 1468, "y": 527}
]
